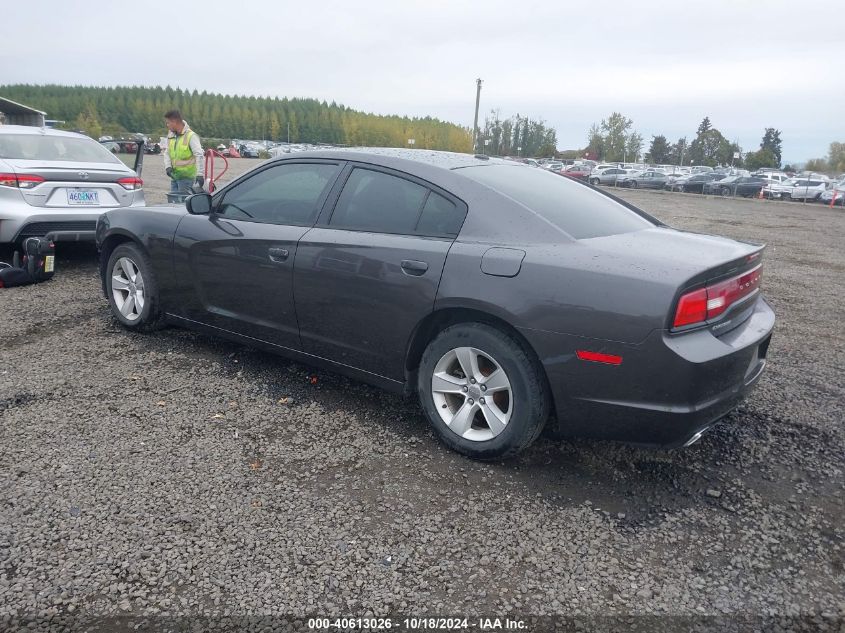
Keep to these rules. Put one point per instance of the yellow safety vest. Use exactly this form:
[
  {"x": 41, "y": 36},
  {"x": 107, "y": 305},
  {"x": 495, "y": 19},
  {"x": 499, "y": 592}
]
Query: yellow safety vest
[{"x": 181, "y": 157}]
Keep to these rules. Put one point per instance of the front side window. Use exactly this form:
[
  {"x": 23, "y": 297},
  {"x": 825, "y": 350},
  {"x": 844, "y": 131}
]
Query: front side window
[
  {"x": 282, "y": 194},
  {"x": 378, "y": 202}
]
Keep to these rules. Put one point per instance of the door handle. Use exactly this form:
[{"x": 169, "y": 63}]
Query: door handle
[
  {"x": 413, "y": 267},
  {"x": 278, "y": 254}
]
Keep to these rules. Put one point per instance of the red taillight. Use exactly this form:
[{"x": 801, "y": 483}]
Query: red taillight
[
  {"x": 708, "y": 303},
  {"x": 692, "y": 308},
  {"x": 20, "y": 181},
  {"x": 131, "y": 183}
]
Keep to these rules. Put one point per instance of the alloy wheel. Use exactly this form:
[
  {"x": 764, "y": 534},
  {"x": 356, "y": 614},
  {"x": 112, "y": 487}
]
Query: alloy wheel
[
  {"x": 127, "y": 287},
  {"x": 472, "y": 393}
]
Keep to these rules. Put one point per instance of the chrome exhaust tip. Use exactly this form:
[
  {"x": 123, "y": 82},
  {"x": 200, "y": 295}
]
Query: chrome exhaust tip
[{"x": 693, "y": 439}]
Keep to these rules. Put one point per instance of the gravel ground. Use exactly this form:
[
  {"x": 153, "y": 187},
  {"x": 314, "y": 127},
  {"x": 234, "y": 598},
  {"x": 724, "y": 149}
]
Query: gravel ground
[{"x": 172, "y": 475}]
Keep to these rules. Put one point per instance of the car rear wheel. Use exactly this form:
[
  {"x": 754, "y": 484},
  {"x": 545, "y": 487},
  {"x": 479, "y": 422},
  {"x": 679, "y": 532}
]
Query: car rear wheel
[
  {"x": 483, "y": 393},
  {"x": 132, "y": 289}
]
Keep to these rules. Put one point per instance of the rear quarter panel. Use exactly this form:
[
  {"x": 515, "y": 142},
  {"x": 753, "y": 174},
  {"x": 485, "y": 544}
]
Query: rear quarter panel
[{"x": 562, "y": 288}]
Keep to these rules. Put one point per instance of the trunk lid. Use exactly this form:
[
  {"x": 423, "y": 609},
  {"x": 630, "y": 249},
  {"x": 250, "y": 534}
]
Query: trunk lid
[
  {"x": 679, "y": 255},
  {"x": 685, "y": 261},
  {"x": 75, "y": 185}
]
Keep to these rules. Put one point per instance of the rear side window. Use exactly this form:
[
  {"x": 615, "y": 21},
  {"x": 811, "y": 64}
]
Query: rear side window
[
  {"x": 378, "y": 202},
  {"x": 440, "y": 217},
  {"x": 48, "y": 147},
  {"x": 289, "y": 193},
  {"x": 577, "y": 209}
]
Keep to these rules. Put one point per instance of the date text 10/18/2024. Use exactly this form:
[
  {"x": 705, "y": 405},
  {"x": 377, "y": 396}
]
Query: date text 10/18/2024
[{"x": 416, "y": 624}]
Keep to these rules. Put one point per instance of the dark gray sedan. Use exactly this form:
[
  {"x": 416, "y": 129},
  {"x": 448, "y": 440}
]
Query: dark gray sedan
[
  {"x": 644, "y": 180},
  {"x": 504, "y": 296}
]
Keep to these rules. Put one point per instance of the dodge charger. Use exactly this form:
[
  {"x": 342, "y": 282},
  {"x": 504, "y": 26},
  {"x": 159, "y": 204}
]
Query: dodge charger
[{"x": 504, "y": 297}]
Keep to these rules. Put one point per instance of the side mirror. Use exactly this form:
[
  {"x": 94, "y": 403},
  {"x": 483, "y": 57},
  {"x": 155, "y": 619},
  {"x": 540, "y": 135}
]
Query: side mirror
[{"x": 199, "y": 204}]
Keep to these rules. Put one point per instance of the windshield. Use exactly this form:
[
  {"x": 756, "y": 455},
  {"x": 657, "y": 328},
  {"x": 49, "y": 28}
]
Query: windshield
[
  {"x": 49, "y": 147},
  {"x": 577, "y": 209}
]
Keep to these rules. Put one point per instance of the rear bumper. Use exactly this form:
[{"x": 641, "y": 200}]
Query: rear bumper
[
  {"x": 667, "y": 389},
  {"x": 41, "y": 227},
  {"x": 37, "y": 222},
  {"x": 16, "y": 229}
]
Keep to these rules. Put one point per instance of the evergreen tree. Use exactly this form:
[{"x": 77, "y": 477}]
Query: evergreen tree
[
  {"x": 660, "y": 151},
  {"x": 771, "y": 141}
]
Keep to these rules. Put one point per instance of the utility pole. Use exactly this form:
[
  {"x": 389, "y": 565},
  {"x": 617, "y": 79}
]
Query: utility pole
[
  {"x": 478, "y": 83},
  {"x": 288, "y": 132}
]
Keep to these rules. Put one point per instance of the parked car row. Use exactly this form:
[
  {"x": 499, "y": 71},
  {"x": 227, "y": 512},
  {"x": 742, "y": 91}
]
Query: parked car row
[
  {"x": 130, "y": 147},
  {"x": 726, "y": 182}
]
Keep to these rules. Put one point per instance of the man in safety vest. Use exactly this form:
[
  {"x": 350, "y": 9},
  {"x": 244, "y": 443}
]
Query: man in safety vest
[{"x": 183, "y": 160}]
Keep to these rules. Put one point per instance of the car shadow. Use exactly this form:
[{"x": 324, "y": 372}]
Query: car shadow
[{"x": 624, "y": 482}]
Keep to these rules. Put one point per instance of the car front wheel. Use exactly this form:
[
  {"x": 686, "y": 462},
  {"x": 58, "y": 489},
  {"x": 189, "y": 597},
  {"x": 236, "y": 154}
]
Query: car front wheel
[
  {"x": 594, "y": 181},
  {"x": 132, "y": 289},
  {"x": 482, "y": 391}
]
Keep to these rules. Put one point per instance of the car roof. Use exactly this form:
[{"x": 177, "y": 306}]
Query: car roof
[
  {"x": 29, "y": 129},
  {"x": 390, "y": 156}
]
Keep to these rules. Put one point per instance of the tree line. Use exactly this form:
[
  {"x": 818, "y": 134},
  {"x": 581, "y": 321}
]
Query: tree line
[
  {"x": 615, "y": 140},
  {"x": 121, "y": 110},
  {"x": 515, "y": 136}
]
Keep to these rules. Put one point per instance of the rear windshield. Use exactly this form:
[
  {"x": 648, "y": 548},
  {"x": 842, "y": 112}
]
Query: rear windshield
[
  {"x": 577, "y": 209},
  {"x": 49, "y": 147}
]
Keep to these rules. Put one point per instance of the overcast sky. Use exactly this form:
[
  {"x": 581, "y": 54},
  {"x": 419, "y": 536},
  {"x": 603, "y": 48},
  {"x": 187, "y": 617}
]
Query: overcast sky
[{"x": 747, "y": 65}]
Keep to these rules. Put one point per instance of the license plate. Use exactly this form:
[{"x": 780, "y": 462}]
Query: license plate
[
  {"x": 82, "y": 197},
  {"x": 49, "y": 263}
]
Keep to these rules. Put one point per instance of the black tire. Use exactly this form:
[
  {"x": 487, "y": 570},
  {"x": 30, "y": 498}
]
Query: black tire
[
  {"x": 150, "y": 317},
  {"x": 530, "y": 404},
  {"x": 725, "y": 191},
  {"x": 594, "y": 181},
  {"x": 633, "y": 184}
]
